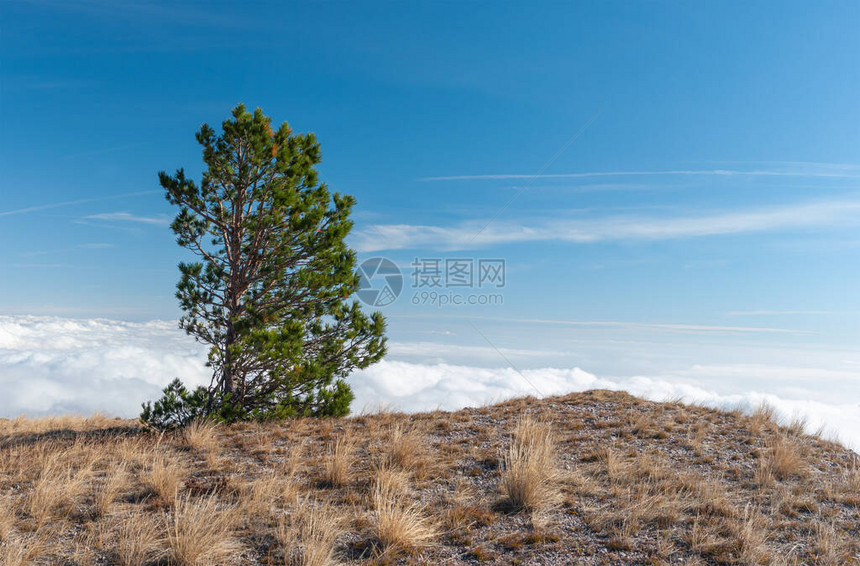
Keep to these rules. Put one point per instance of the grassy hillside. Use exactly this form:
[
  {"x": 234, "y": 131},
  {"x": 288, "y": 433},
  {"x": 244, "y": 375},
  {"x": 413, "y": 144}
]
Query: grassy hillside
[{"x": 591, "y": 478}]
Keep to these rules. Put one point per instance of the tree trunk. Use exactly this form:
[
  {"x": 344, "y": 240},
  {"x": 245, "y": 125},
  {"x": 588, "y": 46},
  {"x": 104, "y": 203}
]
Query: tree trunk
[{"x": 229, "y": 385}]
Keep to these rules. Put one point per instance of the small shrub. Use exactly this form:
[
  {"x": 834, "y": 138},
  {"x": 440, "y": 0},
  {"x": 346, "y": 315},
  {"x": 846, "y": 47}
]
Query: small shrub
[{"x": 177, "y": 407}]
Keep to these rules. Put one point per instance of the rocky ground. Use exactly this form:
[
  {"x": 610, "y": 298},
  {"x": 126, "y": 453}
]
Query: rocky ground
[{"x": 591, "y": 478}]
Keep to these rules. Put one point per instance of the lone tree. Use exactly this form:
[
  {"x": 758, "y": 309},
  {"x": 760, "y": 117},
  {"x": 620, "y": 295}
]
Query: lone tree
[{"x": 270, "y": 290}]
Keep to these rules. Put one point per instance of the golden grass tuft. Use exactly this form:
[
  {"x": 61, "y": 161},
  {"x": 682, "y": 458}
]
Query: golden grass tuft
[
  {"x": 112, "y": 485},
  {"x": 391, "y": 482},
  {"x": 309, "y": 534},
  {"x": 13, "y": 552},
  {"x": 338, "y": 463},
  {"x": 139, "y": 539},
  {"x": 612, "y": 464},
  {"x": 751, "y": 536},
  {"x": 292, "y": 464},
  {"x": 8, "y": 517},
  {"x": 829, "y": 548},
  {"x": 762, "y": 418},
  {"x": 399, "y": 525},
  {"x": 200, "y": 531},
  {"x": 55, "y": 493},
  {"x": 849, "y": 478},
  {"x": 405, "y": 450},
  {"x": 202, "y": 436},
  {"x": 530, "y": 470},
  {"x": 266, "y": 491},
  {"x": 164, "y": 476},
  {"x": 782, "y": 459}
]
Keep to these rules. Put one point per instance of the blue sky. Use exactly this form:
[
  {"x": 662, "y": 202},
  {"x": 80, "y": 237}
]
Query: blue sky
[{"x": 708, "y": 214}]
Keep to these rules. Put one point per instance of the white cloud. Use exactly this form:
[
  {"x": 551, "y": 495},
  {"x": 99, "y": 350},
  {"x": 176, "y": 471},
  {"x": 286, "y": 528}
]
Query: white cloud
[
  {"x": 128, "y": 217},
  {"x": 419, "y": 387},
  {"x": 40, "y": 207},
  {"x": 669, "y": 327},
  {"x": 51, "y": 365},
  {"x": 57, "y": 365},
  {"x": 613, "y": 228},
  {"x": 781, "y": 313},
  {"x": 820, "y": 171}
]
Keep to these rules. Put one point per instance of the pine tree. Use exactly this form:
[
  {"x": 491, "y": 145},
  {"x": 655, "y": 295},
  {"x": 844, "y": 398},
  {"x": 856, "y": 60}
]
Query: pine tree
[{"x": 270, "y": 290}]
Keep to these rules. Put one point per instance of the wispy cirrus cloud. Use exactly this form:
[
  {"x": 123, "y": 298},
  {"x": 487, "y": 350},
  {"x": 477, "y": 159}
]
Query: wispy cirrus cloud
[
  {"x": 95, "y": 246},
  {"x": 611, "y": 228},
  {"x": 782, "y": 313},
  {"x": 662, "y": 326},
  {"x": 845, "y": 172},
  {"x": 161, "y": 220},
  {"x": 39, "y": 207}
]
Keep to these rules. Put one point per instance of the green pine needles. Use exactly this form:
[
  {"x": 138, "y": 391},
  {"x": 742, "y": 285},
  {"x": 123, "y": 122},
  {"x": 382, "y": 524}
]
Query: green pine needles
[{"x": 270, "y": 290}]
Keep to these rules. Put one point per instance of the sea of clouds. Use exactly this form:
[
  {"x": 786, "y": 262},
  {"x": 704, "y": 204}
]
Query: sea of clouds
[{"x": 51, "y": 365}]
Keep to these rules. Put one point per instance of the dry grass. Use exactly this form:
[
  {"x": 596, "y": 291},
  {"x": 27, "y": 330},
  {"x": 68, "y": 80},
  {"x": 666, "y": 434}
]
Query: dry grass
[
  {"x": 782, "y": 459},
  {"x": 111, "y": 487},
  {"x": 55, "y": 493},
  {"x": 612, "y": 464},
  {"x": 405, "y": 450},
  {"x": 763, "y": 418},
  {"x": 308, "y": 535},
  {"x": 164, "y": 477},
  {"x": 200, "y": 532},
  {"x": 292, "y": 464},
  {"x": 140, "y": 539},
  {"x": 849, "y": 480},
  {"x": 131, "y": 451},
  {"x": 263, "y": 495},
  {"x": 398, "y": 524},
  {"x": 829, "y": 547},
  {"x": 13, "y": 552},
  {"x": 614, "y": 480},
  {"x": 338, "y": 463},
  {"x": 751, "y": 534},
  {"x": 8, "y": 517},
  {"x": 202, "y": 436},
  {"x": 529, "y": 471}
]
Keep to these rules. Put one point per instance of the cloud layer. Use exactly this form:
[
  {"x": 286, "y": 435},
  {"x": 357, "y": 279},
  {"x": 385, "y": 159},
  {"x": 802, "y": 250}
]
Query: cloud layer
[
  {"x": 612, "y": 228},
  {"x": 418, "y": 387},
  {"x": 52, "y": 365},
  {"x": 796, "y": 169},
  {"x": 56, "y": 365}
]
